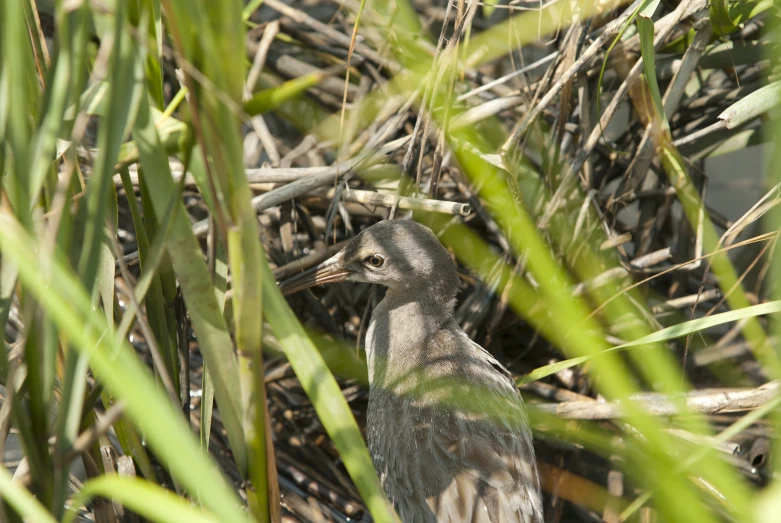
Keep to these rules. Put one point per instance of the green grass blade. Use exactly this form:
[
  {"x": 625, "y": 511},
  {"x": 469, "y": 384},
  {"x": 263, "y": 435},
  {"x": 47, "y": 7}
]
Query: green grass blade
[
  {"x": 153, "y": 300},
  {"x": 271, "y": 98},
  {"x": 749, "y": 107},
  {"x": 19, "y": 86},
  {"x": 326, "y": 396},
  {"x": 219, "y": 270},
  {"x": 205, "y": 33},
  {"x": 250, "y": 8},
  {"x": 645, "y": 30},
  {"x": 491, "y": 44},
  {"x": 187, "y": 258},
  {"x": 22, "y": 501},
  {"x": 146, "y": 499},
  {"x": 718, "y": 11},
  {"x": 727, "y": 17},
  {"x": 114, "y": 362},
  {"x": 66, "y": 82},
  {"x": 670, "y": 333},
  {"x": 720, "y": 264},
  {"x": 74, "y": 386},
  {"x": 151, "y": 11},
  {"x": 126, "y": 77}
]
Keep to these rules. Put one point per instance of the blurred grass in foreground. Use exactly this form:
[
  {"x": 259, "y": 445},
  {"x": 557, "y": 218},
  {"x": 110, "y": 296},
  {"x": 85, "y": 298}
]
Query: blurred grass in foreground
[{"x": 58, "y": 240}]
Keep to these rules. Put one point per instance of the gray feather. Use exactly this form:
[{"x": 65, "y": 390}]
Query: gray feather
[
  {"x": 446, "y": 425},
  {"x": 440, "y": 458}
]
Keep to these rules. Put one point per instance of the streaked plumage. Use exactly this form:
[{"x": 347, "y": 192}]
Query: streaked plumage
[{"x": 446, "y": 426}]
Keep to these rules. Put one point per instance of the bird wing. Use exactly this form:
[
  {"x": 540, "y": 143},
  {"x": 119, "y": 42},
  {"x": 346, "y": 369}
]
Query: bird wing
[{"x": 471, "y": 457}]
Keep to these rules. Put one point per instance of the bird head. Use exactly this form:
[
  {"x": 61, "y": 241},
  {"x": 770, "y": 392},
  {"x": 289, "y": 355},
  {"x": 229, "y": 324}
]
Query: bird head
[{"x": 399, "y": 254}]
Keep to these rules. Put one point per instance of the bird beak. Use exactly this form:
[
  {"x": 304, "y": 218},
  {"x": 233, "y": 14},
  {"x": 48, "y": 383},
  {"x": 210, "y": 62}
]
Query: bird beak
[{"x": 330, "y": 271}]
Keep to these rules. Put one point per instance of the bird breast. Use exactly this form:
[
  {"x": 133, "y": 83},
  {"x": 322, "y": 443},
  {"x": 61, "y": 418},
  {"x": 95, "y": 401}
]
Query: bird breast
[{"x": 447, "y": 430}]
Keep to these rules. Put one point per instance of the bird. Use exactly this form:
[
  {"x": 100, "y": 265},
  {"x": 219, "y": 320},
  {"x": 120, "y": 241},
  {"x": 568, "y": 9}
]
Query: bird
[{"x": 446, "y": 426}]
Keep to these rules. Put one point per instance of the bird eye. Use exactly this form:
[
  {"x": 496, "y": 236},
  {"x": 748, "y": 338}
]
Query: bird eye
[{"x": 375, "y": 260}]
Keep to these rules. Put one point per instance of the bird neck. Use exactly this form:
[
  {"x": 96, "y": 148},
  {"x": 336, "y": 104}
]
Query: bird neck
[{"x": 399, "y": 327}]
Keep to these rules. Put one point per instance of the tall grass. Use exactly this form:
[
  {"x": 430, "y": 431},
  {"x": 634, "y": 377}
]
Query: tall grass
[{"x": 59, "y": 256}]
